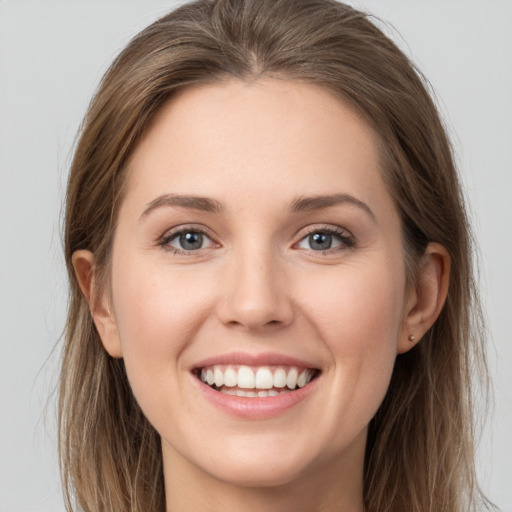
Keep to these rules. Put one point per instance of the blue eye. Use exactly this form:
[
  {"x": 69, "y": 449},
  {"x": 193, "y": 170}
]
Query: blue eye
[
  {"x": 325, "y": 240},
  {"x": 187, "y": 240}
]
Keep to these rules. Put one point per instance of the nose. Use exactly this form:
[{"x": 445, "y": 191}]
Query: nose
[{"x": 255, "y": 295}]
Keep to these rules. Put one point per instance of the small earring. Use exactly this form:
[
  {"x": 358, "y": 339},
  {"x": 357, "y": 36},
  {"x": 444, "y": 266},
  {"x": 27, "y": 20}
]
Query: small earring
[{"x": 412, "y": 338}]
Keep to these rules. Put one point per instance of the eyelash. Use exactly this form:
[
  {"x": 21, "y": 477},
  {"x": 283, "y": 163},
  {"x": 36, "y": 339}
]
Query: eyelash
[
  {"x": 169, "y": 237},
  {"x": 346, "y": 240}
]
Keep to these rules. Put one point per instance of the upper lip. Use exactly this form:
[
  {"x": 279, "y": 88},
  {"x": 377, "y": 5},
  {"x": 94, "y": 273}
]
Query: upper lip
[{"x": 263, "y": 359}]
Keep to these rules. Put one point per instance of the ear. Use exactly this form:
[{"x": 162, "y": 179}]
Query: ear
[
  {"x": 425, "y": 301},
  {"x": 98, "y": 300}
]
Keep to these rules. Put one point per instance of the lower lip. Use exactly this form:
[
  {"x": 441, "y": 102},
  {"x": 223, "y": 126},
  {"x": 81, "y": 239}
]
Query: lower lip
[{"x": 255, "y": 408}]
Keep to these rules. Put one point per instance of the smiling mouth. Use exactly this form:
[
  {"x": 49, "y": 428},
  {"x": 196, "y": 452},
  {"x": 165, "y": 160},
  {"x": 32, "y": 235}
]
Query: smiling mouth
[{"x": 256, "y": 382}]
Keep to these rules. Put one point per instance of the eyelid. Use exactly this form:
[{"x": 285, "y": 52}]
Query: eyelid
[
  {"x": 172, "y": 233},
  {"x": 346, "y": 238}
]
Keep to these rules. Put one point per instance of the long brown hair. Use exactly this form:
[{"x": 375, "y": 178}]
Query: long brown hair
[{"x": 419, "y": 455}]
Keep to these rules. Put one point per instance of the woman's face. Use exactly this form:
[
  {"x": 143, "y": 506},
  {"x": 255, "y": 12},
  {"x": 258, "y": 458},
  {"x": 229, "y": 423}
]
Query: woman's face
[{"x": 257, "y": 246}]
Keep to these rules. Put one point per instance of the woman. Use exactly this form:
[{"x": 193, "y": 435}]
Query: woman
[{"x": 272, "y": 303}]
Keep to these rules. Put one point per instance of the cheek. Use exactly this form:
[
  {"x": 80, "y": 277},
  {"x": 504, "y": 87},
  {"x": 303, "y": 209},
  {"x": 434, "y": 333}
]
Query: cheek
[
  {"x": 156, "y": 309},
  {"x": 358, "y": 308},
  {"x": 357, "y": 311},
  {"x": 158, "y": 313}
]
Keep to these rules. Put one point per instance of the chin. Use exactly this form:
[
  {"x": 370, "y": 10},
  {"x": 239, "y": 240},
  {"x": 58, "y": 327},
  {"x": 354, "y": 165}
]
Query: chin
[
  {"x": 252, "y": 461},
  {"x": 258, "y": 473}
]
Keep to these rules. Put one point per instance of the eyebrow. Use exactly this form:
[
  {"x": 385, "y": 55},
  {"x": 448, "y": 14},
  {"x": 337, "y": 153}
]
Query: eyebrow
[
  {"x": 204, "y": 204},
  {"x": 320, "y": 202},
  {"x": 301, "y": 204}
]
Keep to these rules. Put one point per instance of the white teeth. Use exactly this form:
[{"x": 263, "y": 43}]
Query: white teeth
[
  {"x": 242, "y": 392},
  {"x": 252, "y": 394},
  {"x": 291, "y": 379},
  {"x": 230, "y": 378},
  {"x": 267, "y": 378},
  {"x": 245, "y": 378},
  {"x": 279, "y": 378},
  {"x": 303, "y": 379},
  {"x": 219, "y": 377},
  {"x": 264, "y": 378}
]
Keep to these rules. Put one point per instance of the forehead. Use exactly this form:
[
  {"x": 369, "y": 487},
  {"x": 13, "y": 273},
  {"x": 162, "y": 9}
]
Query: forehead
[{"x": 276, "y": 138}]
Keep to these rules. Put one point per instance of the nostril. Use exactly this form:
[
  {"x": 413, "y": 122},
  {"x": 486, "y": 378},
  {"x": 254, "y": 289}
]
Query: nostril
[
  {"x": 269, "y": 324},
  {"x": 255, "y": 308}
]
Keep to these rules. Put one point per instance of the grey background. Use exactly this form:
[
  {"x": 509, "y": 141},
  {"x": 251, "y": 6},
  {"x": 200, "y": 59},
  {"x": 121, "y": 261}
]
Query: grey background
[{"x": 52, "y": 55}]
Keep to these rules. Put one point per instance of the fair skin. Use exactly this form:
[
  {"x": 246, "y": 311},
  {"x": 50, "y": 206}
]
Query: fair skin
[{"x": 266, "y": 286}]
